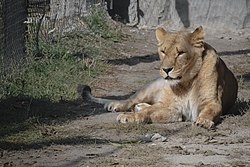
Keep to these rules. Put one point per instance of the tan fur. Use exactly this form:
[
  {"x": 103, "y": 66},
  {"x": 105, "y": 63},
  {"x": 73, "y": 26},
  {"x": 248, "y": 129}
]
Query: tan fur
[{"x": 195, "y": 84}]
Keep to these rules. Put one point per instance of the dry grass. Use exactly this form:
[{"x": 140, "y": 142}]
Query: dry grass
[
  {"x": 134, "y": 155},
  {"x": 239, "y": 120},
  {"x": 243, "y": 83},
  {"x": 135, "y": 128}
]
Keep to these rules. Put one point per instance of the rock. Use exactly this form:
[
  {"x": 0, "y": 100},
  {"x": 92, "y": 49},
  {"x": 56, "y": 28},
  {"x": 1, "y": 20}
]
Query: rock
[
  {"x": 158, "y": 138},
  {"x": 153, "y": 138},
  {"x": 200, "y": 164},
  {"x": 147, "y": 138}
]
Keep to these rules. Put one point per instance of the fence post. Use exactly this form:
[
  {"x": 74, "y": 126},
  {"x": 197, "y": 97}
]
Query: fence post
[
  {"x": 14, "y": 14},
  {"x": 1, "y": 31}
]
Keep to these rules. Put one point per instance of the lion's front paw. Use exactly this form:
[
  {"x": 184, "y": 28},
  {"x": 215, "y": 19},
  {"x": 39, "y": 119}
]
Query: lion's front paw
[
  {"x": 115, "y": 106},
  {"x": 131, "y": 117},
  {"x": 204, "y": 122},
  {"x": 125, "y": 118}
]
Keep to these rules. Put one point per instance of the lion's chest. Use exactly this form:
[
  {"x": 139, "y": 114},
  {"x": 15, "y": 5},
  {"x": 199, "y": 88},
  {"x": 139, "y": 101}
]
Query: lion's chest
[
  {"x": 185, "y": 102},
  {"x": 186, "y": 105},
  {"x": 189, "y": 109}
]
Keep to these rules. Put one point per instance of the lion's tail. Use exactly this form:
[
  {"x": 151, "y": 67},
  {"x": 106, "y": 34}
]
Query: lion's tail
[{"x": 85, "y": 92}]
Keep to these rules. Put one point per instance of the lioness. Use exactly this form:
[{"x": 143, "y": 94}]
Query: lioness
[{"x": 195, "y": 84}]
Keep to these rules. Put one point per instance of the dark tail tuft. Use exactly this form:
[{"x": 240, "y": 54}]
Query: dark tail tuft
[{"x": 84, "y": 91}]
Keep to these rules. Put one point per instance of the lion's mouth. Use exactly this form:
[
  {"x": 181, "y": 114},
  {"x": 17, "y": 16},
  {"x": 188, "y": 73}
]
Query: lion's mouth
[{"x": 170, "y": 78}]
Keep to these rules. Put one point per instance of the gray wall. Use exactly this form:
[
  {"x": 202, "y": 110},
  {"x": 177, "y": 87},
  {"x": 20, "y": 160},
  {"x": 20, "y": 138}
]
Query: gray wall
[
  {"x": 68, "y": 8},
  {"x": 176, "y": 14}
]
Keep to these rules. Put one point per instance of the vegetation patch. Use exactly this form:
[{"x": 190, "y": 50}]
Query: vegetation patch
[
  {"x": 57, "y": 62},
  {"x": 239, "y": 120},
  {"x": 46, "y": 79},
  {"x": 98, "y": 23},
  {"x": 243, "y": 82}
]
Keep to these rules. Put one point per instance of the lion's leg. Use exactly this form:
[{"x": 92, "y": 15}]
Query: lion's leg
[
  {"x": 135, "y": 103},
  {"x": 209, "y": 115},
  {"x": 147, "y": 95},
  {"x": 154, "y": 113},
  {"x": 165, "y": 116}
]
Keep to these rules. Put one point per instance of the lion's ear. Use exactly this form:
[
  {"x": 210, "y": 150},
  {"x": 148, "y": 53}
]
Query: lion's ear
[
  {"x": 160, "y": 34},
  {"x": 197, "y": 37}
]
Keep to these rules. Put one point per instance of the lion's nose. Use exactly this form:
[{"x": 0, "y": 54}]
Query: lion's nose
[{"x": 167, "y": 70}]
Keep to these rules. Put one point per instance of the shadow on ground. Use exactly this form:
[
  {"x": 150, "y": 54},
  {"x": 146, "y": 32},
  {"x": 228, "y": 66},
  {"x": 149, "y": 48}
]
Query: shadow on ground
[
  {"x": 239, "y": 108},
  {"x": 21, "y": 114},
  {"x": 246, "y": 77},
  {"x": 132, "y": 61},
  {"x": 77, "y": 140},
  {"x": 19, "y": 109},
  {"x": 236, "y": 52}
]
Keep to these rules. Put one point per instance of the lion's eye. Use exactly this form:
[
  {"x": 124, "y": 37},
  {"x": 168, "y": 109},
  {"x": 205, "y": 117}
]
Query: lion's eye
[{"x": 162, "y": 51}]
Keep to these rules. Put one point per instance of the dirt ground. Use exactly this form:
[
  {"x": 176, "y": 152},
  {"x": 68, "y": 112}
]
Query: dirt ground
[{"x": 91, "y": 137}]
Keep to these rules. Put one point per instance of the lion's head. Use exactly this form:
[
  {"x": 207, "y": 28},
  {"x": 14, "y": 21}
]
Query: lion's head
[{"x": 180, "y": 54}]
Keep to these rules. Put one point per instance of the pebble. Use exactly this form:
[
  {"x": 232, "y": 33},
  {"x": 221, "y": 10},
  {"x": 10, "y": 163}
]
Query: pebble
[
  {"x": 153, "y": 138},
  {"x": 147, "y": 138},
  {"x": 200, "y": 164},
  {"x": 158, "y": 138}
]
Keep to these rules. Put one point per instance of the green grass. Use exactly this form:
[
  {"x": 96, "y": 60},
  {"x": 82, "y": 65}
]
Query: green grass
[
  {"x": 48, "y": 78},
  {"x": 99, "y": 24},
  {"x": 67, "y": 60}
]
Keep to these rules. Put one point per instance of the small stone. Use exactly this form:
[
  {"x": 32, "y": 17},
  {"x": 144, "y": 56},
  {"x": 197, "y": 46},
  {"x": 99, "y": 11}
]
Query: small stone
[
  {"x": 241, "y": 33},
  {"x": 158, "y": 138},
  {"x": 200, "y": 164},
  {"x": 147, "y": 138}
]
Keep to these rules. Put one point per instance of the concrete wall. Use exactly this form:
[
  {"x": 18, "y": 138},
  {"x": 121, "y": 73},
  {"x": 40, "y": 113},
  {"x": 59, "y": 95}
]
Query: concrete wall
[
  {"x": 176, "y": 14},
  {"x": 69, "y": 8}
]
